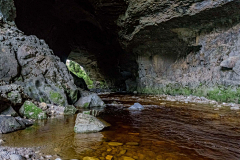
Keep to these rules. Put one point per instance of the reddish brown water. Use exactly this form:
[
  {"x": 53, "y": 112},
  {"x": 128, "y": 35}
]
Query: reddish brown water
[{"x": 163, "y": 131}]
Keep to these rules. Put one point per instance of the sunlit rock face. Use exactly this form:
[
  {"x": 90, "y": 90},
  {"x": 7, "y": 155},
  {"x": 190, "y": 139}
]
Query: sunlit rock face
[{"x": 173, "y": 47}]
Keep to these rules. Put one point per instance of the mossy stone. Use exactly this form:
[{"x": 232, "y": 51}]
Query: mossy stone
[
  {"x": 30, "y": 110},
  {"x": 69, "y": 110}
]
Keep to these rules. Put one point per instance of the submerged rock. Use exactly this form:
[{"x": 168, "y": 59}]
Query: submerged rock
[
  {"x": 86, "y": 123},
  {"x": 90, "y": 158},
  {"x": 136, "y": 106},
  {"x": 30, "y": 110}
]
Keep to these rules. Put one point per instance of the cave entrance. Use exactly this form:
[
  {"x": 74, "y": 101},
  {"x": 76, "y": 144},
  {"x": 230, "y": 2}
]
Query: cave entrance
[{"x": 80, "y": 75}]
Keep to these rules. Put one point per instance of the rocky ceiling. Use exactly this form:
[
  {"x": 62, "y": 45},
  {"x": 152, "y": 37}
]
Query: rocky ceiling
[
  {"x": 107, "y": 37},
  {"x": 84, "y": 28}
]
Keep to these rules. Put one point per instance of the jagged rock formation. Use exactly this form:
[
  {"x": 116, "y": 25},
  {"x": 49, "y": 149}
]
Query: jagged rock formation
[
  {"x": 28, "y": 61},
  {"x": 174, "y": 47}
]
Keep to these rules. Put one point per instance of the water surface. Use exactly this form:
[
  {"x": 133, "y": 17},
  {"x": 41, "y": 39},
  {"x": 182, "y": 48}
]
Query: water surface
[{"x": 163, "y": 130}]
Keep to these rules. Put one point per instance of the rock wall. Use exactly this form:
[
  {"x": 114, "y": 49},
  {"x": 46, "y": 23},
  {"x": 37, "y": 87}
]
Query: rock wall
[
  {"x": 155, "y": 46},
  {"x": 28, "y": 61},
  {"x": 184, "y": 47}
]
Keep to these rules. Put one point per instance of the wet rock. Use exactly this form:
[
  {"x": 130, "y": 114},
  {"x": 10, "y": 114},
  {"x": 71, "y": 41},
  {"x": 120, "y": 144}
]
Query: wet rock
[
  {"x": 69, "y": 110},
  {"x": 136, "y": 106},
  {"x": 94, "y": 113},
  {"x": 122, "y": 152},
  {"x": 115, "y": 144},
  {"x": 109, "y": 157},
  {"x": 86, "y": 123},
  {"x": 16, "y": 157},
  {"x": 132, "y": 143},
  {"x": 127, "y": 158},
  {"x": 31, "y": 111},
  {"x": 9, "y": 124},
  {"x": 90, "y": 158},
  {"x": 26, "y": 122}
]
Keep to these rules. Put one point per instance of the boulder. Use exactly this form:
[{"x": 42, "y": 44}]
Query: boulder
[
  {"x": 86, "y": 123},
  {"x": 9, "y": 124},
  {"x": 229, "y": 62},
  {"x": 31, "y": 111},
  {"x": 89, "y": 100},
  {"x": 28, "y": 62}
]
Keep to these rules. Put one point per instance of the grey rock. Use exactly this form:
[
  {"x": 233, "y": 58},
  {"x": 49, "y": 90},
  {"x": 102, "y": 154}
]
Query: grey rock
[
  {"x": 14, "y": 93},
  {"x": 32, "y": 65},
  {"x": 16, "y": 157},
  {"x": 26, "y": 122},
  {"x": 86, "y": 123},
  {"x": 136, "y": 106},
  {"x": 9, "y": 124},
  {"x": 230, "y": 62},
  {"x": 89, "y": 99},
  {"x": 69, "y": 110},
  {"x": 9, "y": 111}
]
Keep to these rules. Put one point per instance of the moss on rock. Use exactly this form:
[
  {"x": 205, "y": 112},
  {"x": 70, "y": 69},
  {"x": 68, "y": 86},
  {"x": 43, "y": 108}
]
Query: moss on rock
[
  {"x": 30, "y": 110},
  {"x": 57, "y": 98}
]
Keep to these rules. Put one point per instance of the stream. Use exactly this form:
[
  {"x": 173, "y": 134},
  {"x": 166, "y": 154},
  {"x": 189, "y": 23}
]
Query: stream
[{"x": 164, "y": 130}]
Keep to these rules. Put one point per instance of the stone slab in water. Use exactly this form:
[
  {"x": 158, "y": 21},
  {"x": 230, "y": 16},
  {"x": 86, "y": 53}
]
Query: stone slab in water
[{"x": 86, "y": 123}]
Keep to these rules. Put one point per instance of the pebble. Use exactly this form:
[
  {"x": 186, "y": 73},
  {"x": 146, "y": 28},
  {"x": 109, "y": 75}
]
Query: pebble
[
  {"x": 109, "y": 157},
  {"x": 132, "y": 143},
  {"x": 127, "y": 158},
  {"x": 115, "y": 144},
  {"x": 122, "y": 152},
  {"x": 90, "y": 158}
]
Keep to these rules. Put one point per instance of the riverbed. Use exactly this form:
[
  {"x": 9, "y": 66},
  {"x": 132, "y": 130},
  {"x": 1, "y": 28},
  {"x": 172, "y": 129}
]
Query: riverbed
[{"x": 164, "y": 130}]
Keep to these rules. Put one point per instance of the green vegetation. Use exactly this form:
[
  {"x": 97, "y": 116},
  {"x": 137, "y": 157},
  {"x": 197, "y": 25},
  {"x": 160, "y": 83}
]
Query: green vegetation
[
  {"x": 219, "y": 93},
  {"x": 80, "y": 72}
]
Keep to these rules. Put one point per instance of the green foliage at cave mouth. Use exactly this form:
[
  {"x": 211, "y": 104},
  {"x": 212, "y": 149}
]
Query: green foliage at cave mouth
[{"x": 80, "y": 72}]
